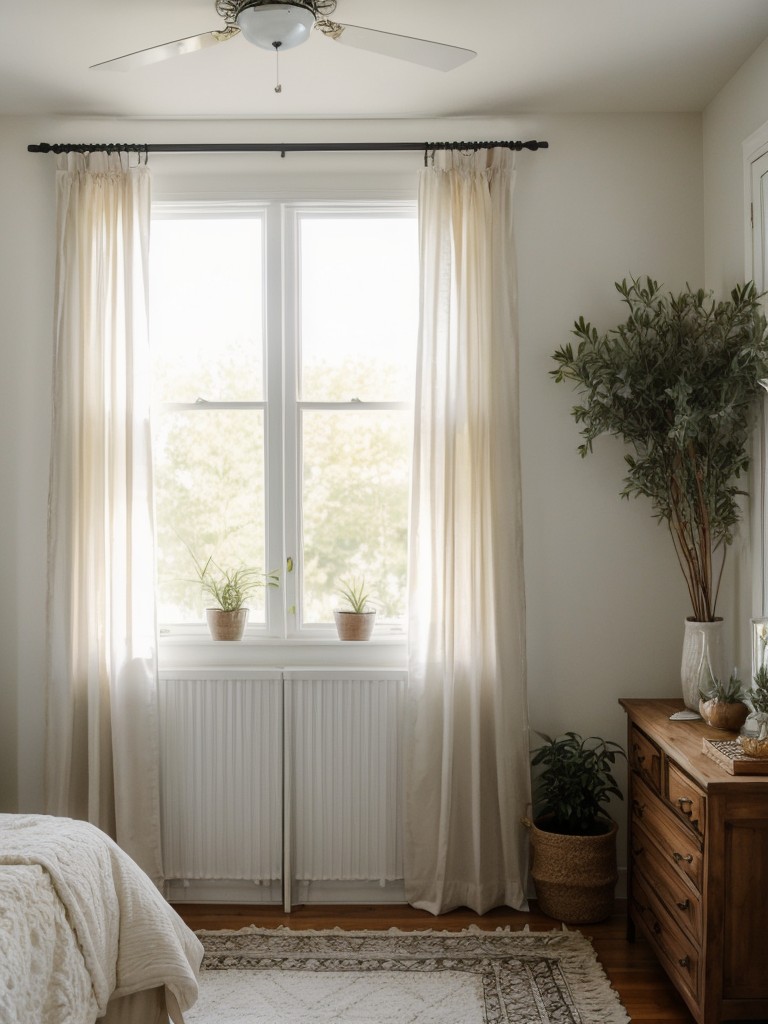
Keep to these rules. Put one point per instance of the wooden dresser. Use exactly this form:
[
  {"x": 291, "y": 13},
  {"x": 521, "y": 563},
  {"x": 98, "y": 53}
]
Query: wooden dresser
[{"x": 698, "y": 864}]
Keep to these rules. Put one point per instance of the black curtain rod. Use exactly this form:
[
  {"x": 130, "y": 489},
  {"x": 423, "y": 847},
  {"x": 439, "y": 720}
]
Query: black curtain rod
[{"x": 274, "y": 147}]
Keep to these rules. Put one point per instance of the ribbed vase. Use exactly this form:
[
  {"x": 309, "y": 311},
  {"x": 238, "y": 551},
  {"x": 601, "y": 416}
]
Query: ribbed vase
[{"x": 702, "y": 659}]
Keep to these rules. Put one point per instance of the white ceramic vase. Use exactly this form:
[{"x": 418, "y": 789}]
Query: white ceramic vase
[{"x": 702, "y": 659}]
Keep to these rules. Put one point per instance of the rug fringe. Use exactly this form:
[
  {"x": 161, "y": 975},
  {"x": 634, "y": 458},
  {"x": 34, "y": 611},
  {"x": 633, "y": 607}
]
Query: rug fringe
[{"x": 471, "y": 929}]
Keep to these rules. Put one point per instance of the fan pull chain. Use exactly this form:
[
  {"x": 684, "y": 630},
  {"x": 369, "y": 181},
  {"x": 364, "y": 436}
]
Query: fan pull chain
[{"x": 278, "y": 87}]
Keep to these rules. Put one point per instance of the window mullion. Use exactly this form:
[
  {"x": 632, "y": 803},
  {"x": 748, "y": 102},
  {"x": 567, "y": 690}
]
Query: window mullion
[
  {"x": 291, "y": 427},
  {"x": 277, "y": 598}
]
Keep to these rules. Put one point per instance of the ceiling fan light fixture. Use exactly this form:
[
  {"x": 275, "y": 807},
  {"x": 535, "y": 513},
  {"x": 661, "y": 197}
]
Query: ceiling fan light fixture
[{"x": 280, "y": 24}]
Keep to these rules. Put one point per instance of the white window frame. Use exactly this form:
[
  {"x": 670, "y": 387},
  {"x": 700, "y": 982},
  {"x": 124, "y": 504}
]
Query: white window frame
[
  {"x": 755, "y": 163},
  {"x": 282, "y": 627}
]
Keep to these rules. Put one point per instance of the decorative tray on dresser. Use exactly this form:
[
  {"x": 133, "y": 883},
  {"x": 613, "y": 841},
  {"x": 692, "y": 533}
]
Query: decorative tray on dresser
[{"x": 698, "y": 864}]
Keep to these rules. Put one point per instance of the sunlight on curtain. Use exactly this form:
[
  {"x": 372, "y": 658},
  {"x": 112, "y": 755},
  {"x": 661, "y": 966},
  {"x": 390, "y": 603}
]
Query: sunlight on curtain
[
  {"x": 466, "y": 750},
  {"x": 101, "y": 740}
]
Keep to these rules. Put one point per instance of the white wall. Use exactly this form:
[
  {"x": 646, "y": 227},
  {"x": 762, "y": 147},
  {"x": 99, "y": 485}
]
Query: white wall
[
  {"x": 606, "y": 601},
  {"x": 738, "y": 110},
  {"x": 26, "y": 268},
  {"x": 612, "y": 196}
]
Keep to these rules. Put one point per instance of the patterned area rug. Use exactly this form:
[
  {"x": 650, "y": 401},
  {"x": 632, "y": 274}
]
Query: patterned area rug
[{"x": 281, "y": 976}]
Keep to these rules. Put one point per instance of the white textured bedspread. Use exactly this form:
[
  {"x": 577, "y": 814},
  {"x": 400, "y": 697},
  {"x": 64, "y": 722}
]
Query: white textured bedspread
[
  {"x": 42, "y": 971},
  {"x": 126, "y": 935}
]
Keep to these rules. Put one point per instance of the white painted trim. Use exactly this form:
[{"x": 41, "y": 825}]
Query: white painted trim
[
  {"x": 281, "y": 407},
  {"x": 755, "y": 149},
  {"x": 752, "y": 148},
  {"x": 195, "y": 890}
]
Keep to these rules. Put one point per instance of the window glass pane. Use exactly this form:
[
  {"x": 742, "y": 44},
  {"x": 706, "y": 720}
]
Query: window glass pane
[
  {"x": 358, "y": 307},
  {"x": 355, "y": 508},
  {"x": 209, "y": 497},
  {"x": 207, "y": 309}
]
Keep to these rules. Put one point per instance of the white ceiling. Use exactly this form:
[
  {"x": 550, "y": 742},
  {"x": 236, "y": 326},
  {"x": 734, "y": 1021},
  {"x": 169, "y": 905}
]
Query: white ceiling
[{"x": 533, "y": 56}]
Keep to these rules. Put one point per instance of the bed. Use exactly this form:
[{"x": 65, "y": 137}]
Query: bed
[{"x": 84, "y": 933}]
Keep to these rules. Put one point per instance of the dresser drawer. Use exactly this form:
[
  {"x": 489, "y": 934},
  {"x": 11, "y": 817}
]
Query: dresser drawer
[
  {"x": 674, "y": 892},
  {"x": 679, "y": 847},
  {"x": 686, "y": 798},
  {"x": 698, "y": 865},
  {"x": 645, "y": 757},
  {"x": 680, "y": 955}
]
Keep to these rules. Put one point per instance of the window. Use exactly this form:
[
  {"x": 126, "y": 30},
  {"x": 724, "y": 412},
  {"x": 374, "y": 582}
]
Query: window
[
  {"x": 283, "y": 340},
  {"x": 756, "y": 166}
]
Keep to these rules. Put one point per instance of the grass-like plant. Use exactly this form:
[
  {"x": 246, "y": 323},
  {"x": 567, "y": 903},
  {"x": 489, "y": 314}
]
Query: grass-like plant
[
  {"x": 354, "y": 592},
  {"x": 730, "y": 691},
  {"x": 575, "y": 780},
  {"x": 230, "y": 588},
  {"x": 677, "y": 382}
]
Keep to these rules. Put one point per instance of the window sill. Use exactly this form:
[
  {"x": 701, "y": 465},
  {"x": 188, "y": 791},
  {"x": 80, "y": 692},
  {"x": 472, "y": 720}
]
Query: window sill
[{"x": 198, "y": 651}]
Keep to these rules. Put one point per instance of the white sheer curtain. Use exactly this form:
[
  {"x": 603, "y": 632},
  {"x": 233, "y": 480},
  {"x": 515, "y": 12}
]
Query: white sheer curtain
[
  {"x": 466, "y": 748},
  {"x": 101, "y": 728}
]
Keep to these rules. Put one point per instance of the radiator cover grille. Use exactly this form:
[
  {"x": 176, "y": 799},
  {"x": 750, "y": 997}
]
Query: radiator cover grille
[{"x": 288, "y": 774}]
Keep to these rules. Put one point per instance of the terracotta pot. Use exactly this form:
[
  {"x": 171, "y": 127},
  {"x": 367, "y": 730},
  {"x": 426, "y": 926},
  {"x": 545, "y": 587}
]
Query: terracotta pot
[
  {"x": 719, "y": 715},
  {"x": 226, "y": 625},
  {"x": 575, "y": 876},
  {"x": 354, "y": 625}
]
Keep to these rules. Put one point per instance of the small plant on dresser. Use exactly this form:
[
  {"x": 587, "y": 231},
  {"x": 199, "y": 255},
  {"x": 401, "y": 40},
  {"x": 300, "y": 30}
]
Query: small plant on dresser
[{"x": 722, "y": 703}]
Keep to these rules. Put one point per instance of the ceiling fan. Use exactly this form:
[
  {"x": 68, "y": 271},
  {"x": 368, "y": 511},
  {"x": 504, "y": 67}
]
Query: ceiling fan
[{"x": 282, "y": 24}]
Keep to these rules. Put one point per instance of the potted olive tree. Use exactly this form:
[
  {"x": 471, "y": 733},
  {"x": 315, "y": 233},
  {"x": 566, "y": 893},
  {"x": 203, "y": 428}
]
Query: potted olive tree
[
  {"x": 356, "y": 620},
  {"x": 677, "y": 382},
  {"x": 230, "y": 589},
  {"x": 573, "y": 839}
]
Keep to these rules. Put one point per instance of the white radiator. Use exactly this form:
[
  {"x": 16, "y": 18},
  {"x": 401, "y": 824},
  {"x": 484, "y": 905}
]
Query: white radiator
[
  {"x": 346, "y": 778},
  {"x": 281, "y": 777},
  {"x": 221, "y": 763}
]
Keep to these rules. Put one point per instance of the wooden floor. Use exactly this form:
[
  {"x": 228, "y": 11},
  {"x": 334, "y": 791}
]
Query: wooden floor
[{"x": 647, "y": 995}]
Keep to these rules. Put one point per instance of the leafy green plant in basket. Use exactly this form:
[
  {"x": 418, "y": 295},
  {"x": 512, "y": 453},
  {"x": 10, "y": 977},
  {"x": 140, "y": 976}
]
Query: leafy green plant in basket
[
  {"x": 574, "y": 782},
  {"x": 573, "y": 840},
  {"x": 677, "y": 382}
]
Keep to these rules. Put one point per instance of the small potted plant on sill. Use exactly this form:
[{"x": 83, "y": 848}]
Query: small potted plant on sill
[
  {"x": 573, "y": 839},
  {"x": 722, "y": 703},
  {"x": 356, "y": 621},
  {"x": 230, "y": 589}
]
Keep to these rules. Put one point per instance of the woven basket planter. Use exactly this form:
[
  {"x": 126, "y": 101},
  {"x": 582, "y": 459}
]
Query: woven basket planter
[
  {"x": 226, "y": 625},
  {"x": 354, "y": 625},
  {"x": 575, "y": 876}
]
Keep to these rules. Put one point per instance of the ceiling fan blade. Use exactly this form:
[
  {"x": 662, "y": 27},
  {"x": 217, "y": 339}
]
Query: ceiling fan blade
[
  {"x": 140, "y": 58},
  {"x": 440, "y": 56}
]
